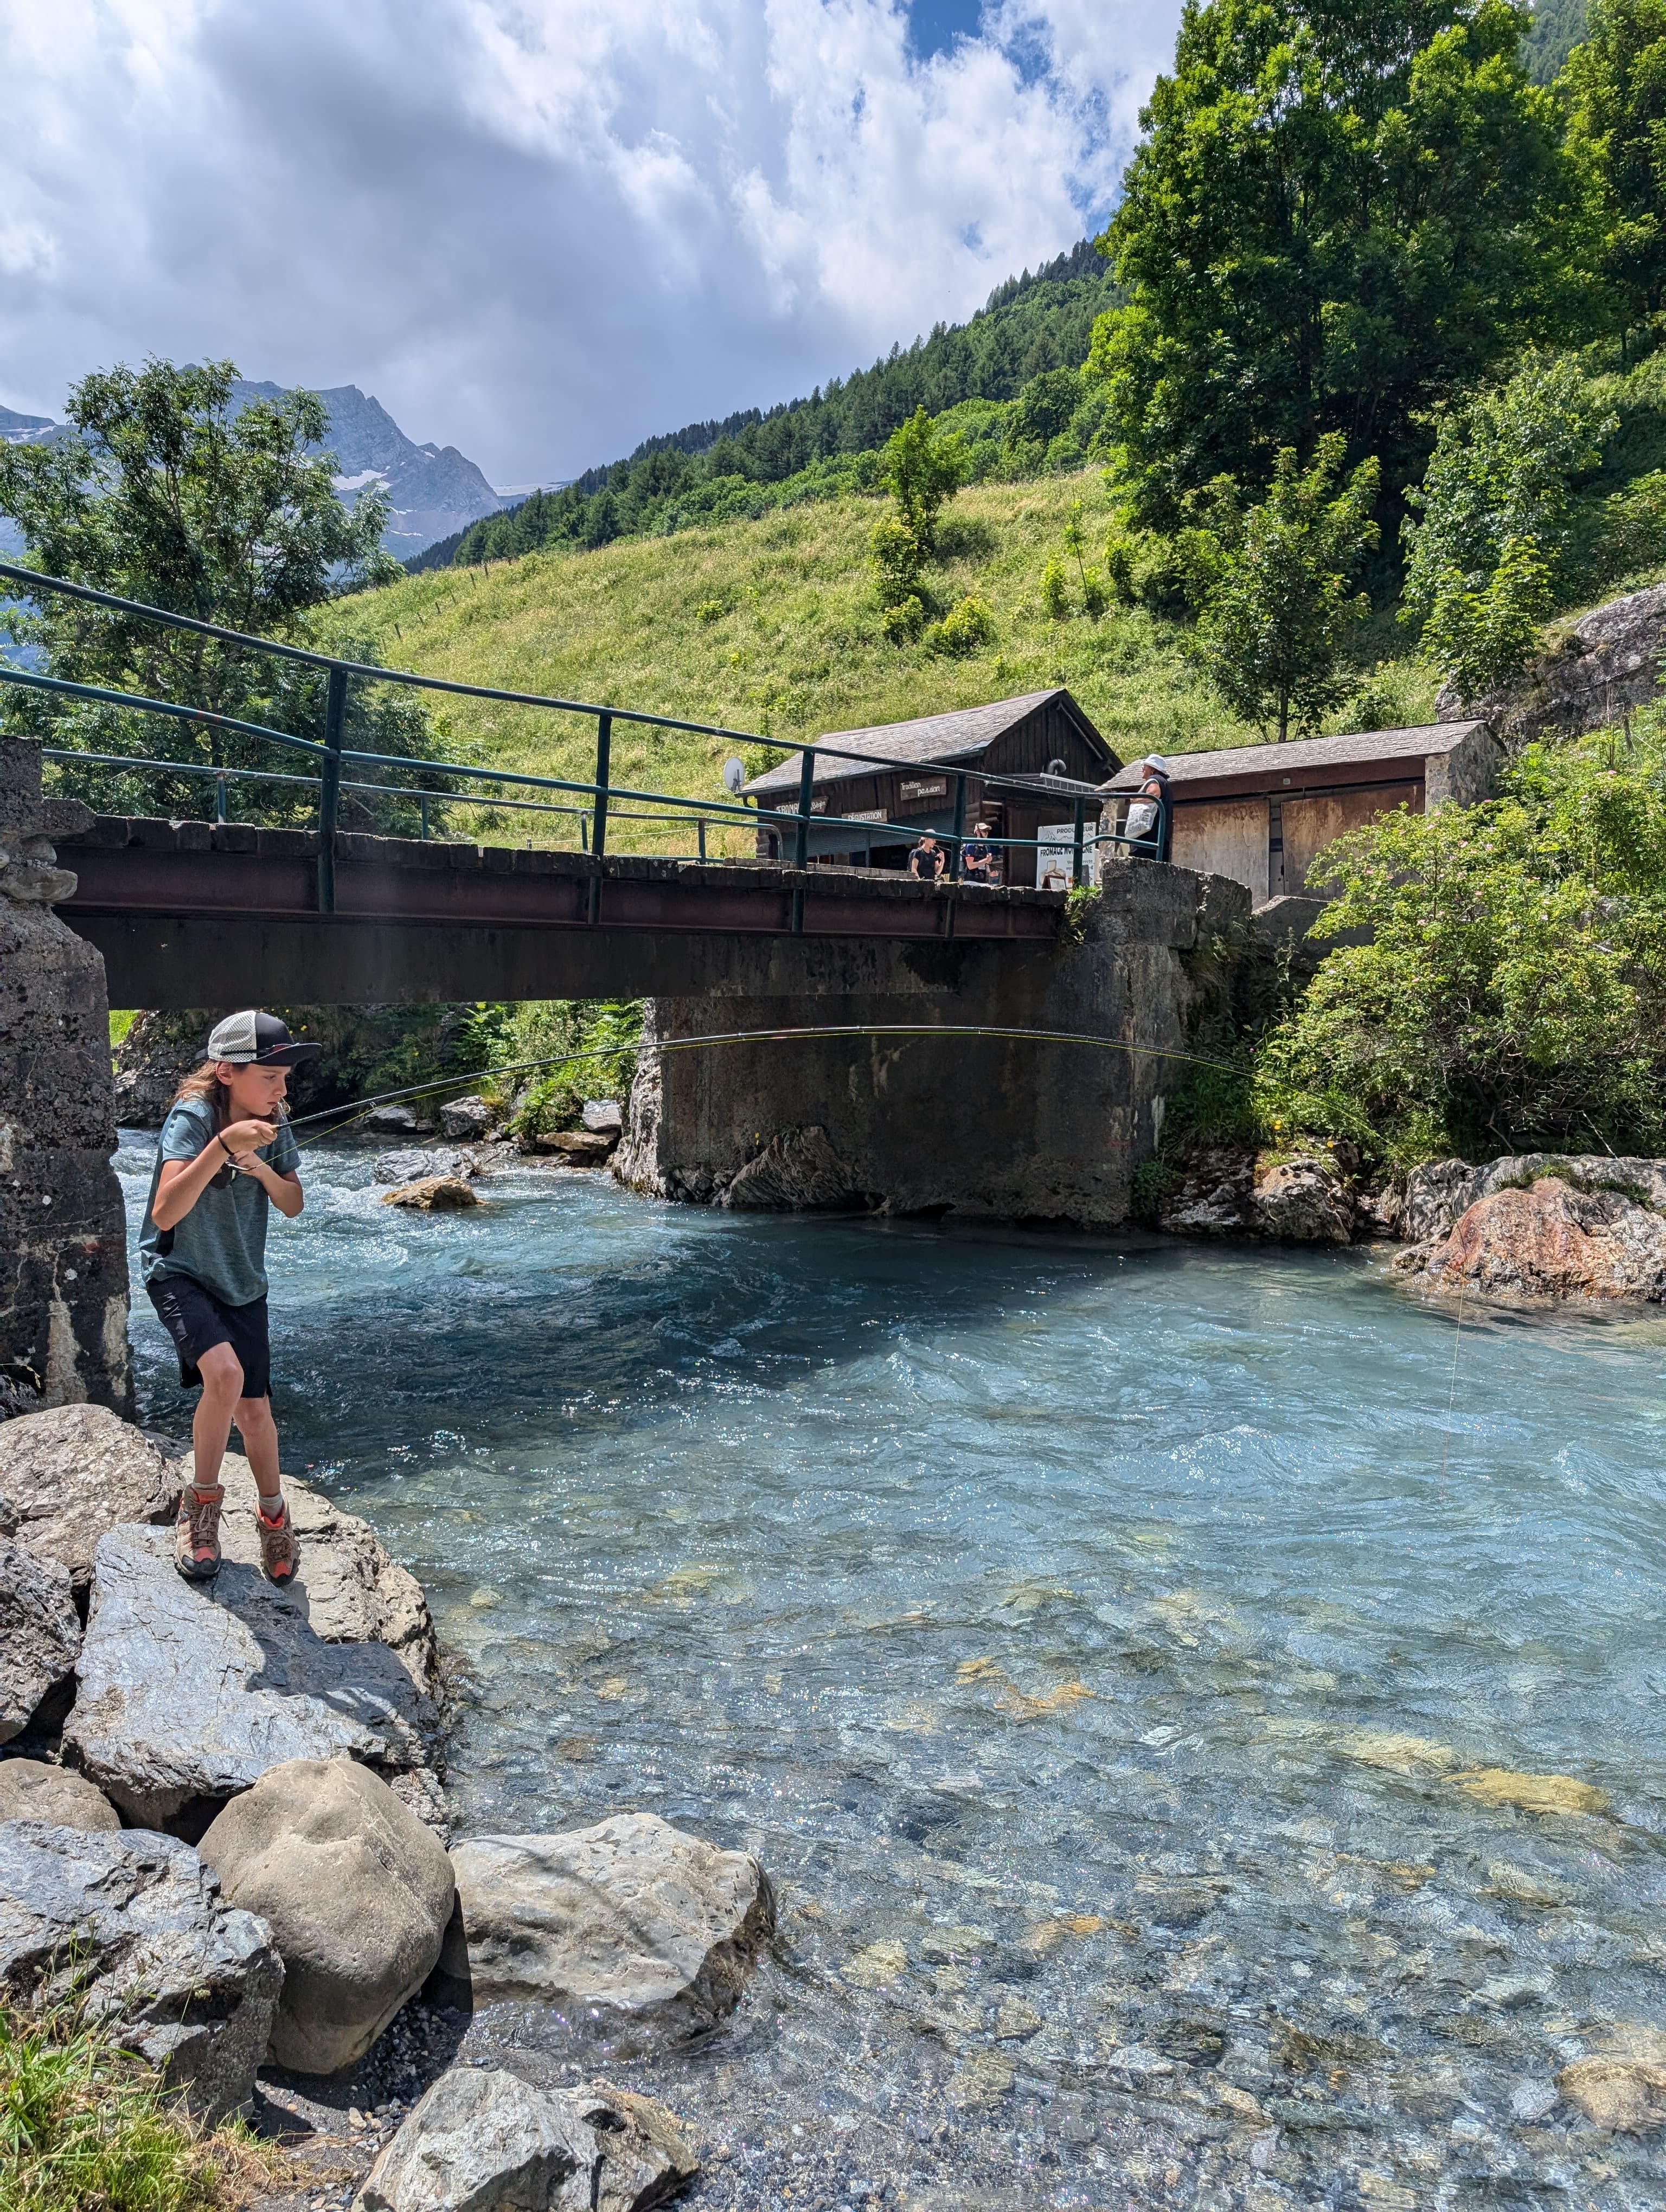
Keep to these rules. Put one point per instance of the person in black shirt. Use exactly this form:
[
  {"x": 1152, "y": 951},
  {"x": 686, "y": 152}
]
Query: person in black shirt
[
  {"x": 980, "y": 863},
  {"x": 926, "y": 859}
]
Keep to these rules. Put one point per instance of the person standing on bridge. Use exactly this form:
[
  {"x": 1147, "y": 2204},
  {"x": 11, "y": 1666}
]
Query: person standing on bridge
[
  {"x": 226, "y": 1157},
  {"x": 928, "y": 859}
]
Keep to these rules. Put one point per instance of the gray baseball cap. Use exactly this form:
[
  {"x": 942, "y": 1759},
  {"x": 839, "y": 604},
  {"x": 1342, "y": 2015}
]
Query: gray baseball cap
[{"x": 252, "y": 1039}]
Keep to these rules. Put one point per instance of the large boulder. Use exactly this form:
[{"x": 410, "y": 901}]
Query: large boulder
[
  {"x": 412, "y": 1162},
  {"x": 575, "y": 1148},
  {"x": 604, "y": 1117},
  {"x": 39, "y": 1634},
  {"x": 469, "y": 1118},
  {"x": 433, "y": 1194},
  {"x": 1439, "y": 1191},
  {"x": 482, "y": 2140},
  {"x": 76, "y": 1472},
  {"x": 1607, "y": 664},
  {"x": 31, "y": 1790},
  {"x": 356, "y": 1893},
  {"x": 188, "y": 1692},
  {"x": 134, "y": 1925},
  {"x": 1551, "y": 1241},
  {"x": 629, "y": 1925},
  {"x": 1230, "y": 1191}
]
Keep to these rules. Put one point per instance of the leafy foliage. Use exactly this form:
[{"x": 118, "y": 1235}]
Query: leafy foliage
[
  {"x": 1558, "y": 27},
  {"x": 1338, "y": 215},
  {"x": 163, "y": 494},
  {"x": 600, "y": 1038},
  {"x": 922, "y": 469},
  {"x": 1278, "y": 612},
  {"x": 1616, "y": 84},
  {"x": 1513, "y": 993},
  {"x": 1497, "y": 510},
  {"x": 968, "y": 625}
]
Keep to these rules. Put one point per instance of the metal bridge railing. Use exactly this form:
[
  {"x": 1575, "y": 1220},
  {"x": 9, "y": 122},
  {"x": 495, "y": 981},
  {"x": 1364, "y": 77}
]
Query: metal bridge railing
[{"x": 595, "y": 807}]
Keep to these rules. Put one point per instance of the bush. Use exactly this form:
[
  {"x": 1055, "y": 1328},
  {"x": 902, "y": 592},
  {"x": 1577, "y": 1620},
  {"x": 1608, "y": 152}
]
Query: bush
[
  {"x": 1513, "y": 995},
  {"x": 903, "y": 622},
  {"x": 1055, "y": 590},
  {"x": 970, "y": 623},
  {"x": 591, "y": 1046}
]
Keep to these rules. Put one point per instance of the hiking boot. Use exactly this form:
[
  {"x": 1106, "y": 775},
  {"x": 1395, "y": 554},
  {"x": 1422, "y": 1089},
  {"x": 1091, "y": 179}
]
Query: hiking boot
[
  {"x": 278, "y": 1549},
  {"x": 196, "y": 1535}
]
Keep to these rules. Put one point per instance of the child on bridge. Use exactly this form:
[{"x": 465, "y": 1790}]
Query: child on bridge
[{"x": 226, "y": 1156}]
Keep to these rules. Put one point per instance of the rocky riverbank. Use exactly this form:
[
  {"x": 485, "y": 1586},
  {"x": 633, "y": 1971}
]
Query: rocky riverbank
[{"x": 223, "y": 1824}]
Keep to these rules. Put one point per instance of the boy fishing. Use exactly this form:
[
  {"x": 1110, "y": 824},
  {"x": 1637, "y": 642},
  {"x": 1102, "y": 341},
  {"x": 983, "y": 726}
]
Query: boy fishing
[{"x": 226, "y": 1156}]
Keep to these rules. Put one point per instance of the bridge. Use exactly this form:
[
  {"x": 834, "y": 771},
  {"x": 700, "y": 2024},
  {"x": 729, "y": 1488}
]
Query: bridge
[
  {"x": 171, "y": 904},
  {"x": 163, "y": 911}
]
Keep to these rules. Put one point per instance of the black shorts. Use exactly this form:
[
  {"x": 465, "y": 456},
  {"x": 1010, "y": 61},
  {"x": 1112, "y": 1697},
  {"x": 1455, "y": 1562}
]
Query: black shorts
[{"x": 196, "y": 1319}]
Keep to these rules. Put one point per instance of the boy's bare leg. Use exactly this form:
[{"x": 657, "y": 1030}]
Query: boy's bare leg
[
  {"x": 210, "y": 1428},
  {"x": 258, "y": 1430}
]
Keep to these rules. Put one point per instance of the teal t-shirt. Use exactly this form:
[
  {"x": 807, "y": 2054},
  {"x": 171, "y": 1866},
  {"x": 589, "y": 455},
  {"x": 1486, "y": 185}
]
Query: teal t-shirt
[{"x": 221, "y": 1242}]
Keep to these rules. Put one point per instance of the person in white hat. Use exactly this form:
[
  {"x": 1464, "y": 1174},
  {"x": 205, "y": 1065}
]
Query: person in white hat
[
  {"x": 227, "y": 1156},
  {"x": 1144, "y": 824}
]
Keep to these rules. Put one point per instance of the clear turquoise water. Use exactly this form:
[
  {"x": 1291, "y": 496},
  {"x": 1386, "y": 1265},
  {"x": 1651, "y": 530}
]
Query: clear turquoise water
[{"x": 1092, "y": 1638}]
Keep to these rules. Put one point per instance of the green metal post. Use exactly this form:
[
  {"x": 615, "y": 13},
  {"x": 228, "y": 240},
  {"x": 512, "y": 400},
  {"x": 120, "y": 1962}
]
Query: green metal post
[
  {"x": 801, "y": 832},
  {"x": 329, "y": 798},
  {"x": 1076, "y": 855},
  {"x": 598, "y": 818},
  {"x": 959, "y": 832}
]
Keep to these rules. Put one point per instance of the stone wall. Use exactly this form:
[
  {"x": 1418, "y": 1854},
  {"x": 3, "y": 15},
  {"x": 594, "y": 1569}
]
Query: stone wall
[
  {"x": 63, "y": 1234},
  {"x": 1008, "y": 1129}
]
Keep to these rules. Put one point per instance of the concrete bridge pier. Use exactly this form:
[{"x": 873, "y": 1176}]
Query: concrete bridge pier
[
  {"x": 63, "y": 1233},
  {"x": 970, "y": 1127}
]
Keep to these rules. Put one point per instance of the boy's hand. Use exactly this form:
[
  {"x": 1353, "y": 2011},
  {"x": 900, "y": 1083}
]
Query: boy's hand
[{"x": 248, "y": 1136}]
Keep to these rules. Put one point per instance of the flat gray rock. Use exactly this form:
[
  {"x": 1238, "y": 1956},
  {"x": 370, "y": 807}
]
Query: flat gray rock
[
  {"x": 39, "y": 1633},
  {"x": 136, "y": 1922},
  {"x": 31, "y": 1790},
  {"x": 482, "y": 2140},
  {"x": 467, "y": 1117},
  {"x": 629, "y": 1925},
  {"x": 356, "y": 1891},
  {"x": 188, "y": 1692},
  {"x": 412, "y": 1162},
  {"x": 76, "y": 1471},
  {"x": 346, "y": 1587}
]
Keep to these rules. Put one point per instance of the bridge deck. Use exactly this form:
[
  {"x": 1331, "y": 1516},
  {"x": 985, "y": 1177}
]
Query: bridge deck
[
  {"x": 190, "y": 914},
  {"x": 203, "y": 868}
]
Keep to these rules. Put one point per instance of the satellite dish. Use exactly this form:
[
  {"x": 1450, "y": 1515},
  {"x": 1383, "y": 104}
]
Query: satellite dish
[{"x": 734, "y": 773}]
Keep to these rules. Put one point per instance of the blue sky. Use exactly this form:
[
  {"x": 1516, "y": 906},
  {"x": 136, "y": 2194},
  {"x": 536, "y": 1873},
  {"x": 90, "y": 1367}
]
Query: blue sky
[{"x": 541, "y": 229}]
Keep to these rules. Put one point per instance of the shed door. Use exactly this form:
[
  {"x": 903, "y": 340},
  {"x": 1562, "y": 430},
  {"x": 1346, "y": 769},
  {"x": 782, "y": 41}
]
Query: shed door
[
  {"x": 1310, "y": 824},
  {"x": 1224, "y": 837}
]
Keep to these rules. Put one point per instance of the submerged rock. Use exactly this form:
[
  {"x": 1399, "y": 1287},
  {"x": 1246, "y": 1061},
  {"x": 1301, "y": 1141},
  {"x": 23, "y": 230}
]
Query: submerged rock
[
  {"x": 356, "y": 1893},
  {"x": 134, "y": 1925},
  {"x": 629, "y": 1923},
  {"x": 433, "y": 1194},
  {"x": 484, "y": 2141},
  {"x": 31, "y": 1790},
  {"x": 1550, "y": 1240},
  {"x": 77, "y": 1471},
  {"x": 188, "y": 1692},
  {"x": 415, "y": 1161},
  {"x": 39, "y": 1634},
  {"x": 1622, "y": 2087}
]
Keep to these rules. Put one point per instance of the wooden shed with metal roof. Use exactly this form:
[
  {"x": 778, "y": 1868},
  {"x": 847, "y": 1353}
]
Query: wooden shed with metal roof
[
  {"x": 1033, "y": 756},
  {"x": 1263, "y": 814}
]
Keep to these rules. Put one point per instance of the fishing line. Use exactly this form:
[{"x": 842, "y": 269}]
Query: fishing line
[{"x": 341, "y": 1117}]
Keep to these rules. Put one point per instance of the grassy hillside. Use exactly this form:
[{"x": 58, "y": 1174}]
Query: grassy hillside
[{"x": 772, "y": 626}]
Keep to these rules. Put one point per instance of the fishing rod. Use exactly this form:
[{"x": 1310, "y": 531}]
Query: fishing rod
[{"x": 342, "y": 1117}]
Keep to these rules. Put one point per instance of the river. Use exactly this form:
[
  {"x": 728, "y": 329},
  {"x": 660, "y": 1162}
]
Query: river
[{"x": 1125, "y": 1658}]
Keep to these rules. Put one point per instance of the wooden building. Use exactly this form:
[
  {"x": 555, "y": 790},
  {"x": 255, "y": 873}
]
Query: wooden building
[
  {"x": 1034, "y": 758},
  {"x": 1263, "y": 814}
]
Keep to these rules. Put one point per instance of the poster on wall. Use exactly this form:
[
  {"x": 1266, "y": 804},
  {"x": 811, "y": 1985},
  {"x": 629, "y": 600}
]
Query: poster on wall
[{"x": 1055, "y": 853}]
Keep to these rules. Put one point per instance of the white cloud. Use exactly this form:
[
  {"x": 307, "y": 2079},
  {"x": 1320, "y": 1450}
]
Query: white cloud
[{"x": 539, "y": 229}]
